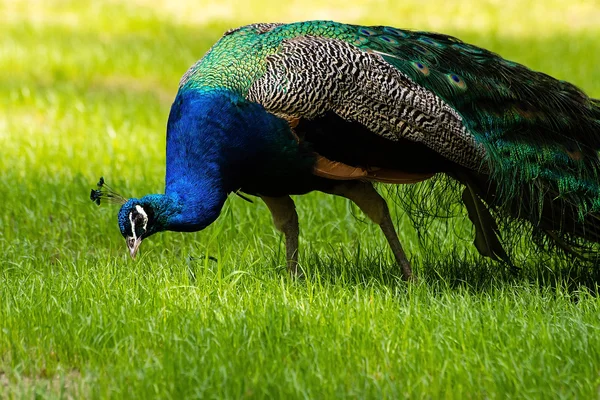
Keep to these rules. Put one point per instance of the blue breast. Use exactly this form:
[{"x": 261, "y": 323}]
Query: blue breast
[{"x": 216, "y": 138}]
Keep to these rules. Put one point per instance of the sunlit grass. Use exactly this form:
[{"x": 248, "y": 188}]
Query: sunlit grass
[{"x": 85, "y": 90}]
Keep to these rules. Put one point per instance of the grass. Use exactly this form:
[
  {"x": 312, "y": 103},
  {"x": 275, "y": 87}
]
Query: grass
[{"x": 85, "y": 90}]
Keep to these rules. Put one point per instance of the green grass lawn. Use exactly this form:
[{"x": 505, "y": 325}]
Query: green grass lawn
[{"x": 85, "y": 90}]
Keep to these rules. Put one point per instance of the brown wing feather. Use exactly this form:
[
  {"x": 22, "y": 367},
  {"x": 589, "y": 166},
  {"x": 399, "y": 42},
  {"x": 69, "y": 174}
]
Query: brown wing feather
[{"x": 336, "y": 170}]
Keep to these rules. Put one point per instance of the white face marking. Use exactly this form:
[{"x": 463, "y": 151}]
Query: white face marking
[
  {"x": 141, "y": 211},
  {"x": 132, "y": 226}
]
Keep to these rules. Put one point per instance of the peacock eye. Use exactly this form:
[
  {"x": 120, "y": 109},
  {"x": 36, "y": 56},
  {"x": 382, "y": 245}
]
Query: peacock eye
[
  {"x": 139, "y": 221},
  {"x": 139, "y": 230}
]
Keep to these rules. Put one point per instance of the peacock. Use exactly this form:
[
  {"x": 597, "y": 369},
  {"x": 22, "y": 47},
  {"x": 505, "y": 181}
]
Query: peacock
[{"x": 274, "y": 110}]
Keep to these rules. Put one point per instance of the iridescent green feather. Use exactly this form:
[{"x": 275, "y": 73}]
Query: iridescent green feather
[{"x": 535, "y": 128}]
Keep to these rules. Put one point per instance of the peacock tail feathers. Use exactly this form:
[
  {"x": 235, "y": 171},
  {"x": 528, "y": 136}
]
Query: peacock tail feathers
[{"x": 530, "y": 142}]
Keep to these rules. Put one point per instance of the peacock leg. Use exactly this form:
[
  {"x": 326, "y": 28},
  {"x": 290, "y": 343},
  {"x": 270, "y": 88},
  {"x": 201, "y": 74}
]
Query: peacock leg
[
  {"x": 285, "y": 219},
  {"x": 364, "y": 195}
]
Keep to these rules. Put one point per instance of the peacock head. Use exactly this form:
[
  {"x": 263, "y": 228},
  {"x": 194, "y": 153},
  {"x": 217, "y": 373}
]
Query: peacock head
[{"x": 138, "y": 218}]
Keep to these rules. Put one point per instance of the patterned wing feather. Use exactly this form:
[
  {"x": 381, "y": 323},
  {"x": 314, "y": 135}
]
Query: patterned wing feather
[{"x": 311, "y": 75}]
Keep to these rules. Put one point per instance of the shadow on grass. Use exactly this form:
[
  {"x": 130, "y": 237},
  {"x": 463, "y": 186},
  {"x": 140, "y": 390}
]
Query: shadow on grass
[{"x": 452, "y": 270}]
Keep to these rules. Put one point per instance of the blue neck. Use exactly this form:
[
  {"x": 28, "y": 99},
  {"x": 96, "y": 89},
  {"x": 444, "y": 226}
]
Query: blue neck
[{"x": 213, "y": 139}]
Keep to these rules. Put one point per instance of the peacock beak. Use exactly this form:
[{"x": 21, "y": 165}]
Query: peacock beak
[{"x": 133, "y": 244}]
